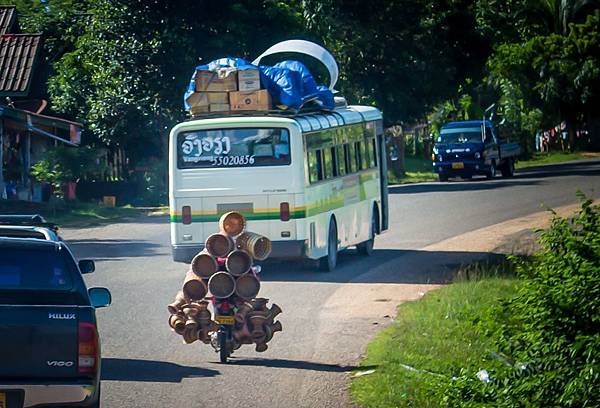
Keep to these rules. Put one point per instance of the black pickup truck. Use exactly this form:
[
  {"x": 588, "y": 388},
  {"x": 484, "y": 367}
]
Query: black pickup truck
[
  {"x": 49, "y": 344},
  {"x": 473, "y": 147}
]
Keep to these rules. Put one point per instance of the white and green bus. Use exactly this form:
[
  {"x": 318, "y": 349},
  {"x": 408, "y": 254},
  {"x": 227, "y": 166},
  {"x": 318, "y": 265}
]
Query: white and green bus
[{"x": 313, "y": 183}]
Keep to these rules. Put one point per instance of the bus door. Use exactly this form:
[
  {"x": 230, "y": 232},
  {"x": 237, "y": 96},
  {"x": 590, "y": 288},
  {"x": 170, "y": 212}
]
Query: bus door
[{"x": 383, "y": 174}]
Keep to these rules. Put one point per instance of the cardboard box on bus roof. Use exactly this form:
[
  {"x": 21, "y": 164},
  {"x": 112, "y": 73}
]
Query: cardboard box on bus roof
[
  {"x": 207, "y": 98},
  {"x": 248, "y": 80},
  {"x": 250, "y": 101},
  {"x": 219, "y": 107},
  {"x": 224, "y": 80}
]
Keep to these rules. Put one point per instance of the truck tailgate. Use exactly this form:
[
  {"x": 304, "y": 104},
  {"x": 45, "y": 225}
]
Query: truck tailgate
[{"x": 38, "y": 341}]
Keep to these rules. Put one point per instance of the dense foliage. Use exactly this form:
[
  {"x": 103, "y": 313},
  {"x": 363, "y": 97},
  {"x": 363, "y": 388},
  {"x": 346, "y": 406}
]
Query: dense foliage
[
  {"x": 551, "y": 339},
  {"x": 121, "y": 66},
  {"x": 64, "y": 164}
]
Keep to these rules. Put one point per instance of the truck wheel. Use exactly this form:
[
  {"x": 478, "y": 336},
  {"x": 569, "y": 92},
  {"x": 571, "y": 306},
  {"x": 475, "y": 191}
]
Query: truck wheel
[
  {"x": 508, "y": 170},
  {"x": 492, "y": 171},
  {"x": 443, "y": 177},
  {"x": 366, "y": 247},
  {"x": 329, "y": 261}
]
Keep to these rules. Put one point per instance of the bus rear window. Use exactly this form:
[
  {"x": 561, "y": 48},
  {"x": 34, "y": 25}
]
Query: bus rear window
[{"x": 243, "y": 147}]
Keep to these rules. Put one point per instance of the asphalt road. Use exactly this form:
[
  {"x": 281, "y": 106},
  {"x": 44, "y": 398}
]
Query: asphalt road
[{"x": 327, "y": 318}]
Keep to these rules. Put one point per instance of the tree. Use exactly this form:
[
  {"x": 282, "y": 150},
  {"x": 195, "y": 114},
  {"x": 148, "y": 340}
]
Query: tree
[
  {"x": 556, "y": 75},
  {"x": 127, "y": 73},
  {"x": 404, "y": 56}
]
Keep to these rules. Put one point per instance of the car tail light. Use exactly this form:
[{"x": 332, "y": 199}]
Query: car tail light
[
  {"x": 87, "y": 348},
  {"x": 284, "y": 211},
  {"x": 186, "y": 214}
]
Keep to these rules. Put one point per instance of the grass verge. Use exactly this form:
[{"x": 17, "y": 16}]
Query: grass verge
[
  {"x": 418, "y": 170},
  {"x": 540, "y": 159},
  {"x": 433, "y": 340},
  {"x": 72, "y": 215}
]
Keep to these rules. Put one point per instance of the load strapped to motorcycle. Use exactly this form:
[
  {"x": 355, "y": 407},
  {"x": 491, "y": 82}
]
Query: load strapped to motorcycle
[
  {"x": 225, "y": 270},
  {"x": 217, "y": 303}
]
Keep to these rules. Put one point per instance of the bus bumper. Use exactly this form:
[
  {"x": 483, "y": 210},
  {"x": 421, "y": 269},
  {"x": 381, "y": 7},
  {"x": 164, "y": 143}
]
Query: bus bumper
[
  {"x": 281, "y": 249},
  {"x": 185, "y": 253}
]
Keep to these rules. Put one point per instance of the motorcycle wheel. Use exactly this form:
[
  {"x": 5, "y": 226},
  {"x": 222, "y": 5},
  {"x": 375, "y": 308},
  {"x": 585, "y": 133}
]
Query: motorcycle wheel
[{"x": 223, "y": 347}]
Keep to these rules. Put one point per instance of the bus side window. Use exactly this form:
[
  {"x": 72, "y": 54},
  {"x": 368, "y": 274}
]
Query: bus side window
[
  {"x": 373, "y": 153},
  {"x": 327, "y": 163},
  {"x": 334, "y": 164},
  {"x": 341, "y": 161},
  {"x": 312, "y": 166},
  {"x": 352, "y": 156},
  {"x": 319, "y": 154},
  {"x": 358, "y": 156},
  {"x": 347, "y": 158},
  {"x": 364, "y": 151}
]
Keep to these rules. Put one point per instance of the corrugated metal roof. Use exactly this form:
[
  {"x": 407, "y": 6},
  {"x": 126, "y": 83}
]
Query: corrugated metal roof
[
  {"x": 8, "y": 15},
  {"x": 17, "y": 58}
]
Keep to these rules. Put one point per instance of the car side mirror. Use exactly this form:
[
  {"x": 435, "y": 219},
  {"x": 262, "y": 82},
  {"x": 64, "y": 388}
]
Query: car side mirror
[
  {"x": 100, "y": 297},
  {"x": 87, "y": 266}
]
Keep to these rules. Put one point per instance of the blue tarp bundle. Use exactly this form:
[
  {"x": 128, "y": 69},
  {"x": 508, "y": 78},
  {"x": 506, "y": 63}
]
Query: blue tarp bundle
[{"x": 289, "y": 83}]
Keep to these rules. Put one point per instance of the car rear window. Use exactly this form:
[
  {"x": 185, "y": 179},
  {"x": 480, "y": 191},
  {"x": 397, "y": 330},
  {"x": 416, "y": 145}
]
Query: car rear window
[{"x": 34, "y": 269}]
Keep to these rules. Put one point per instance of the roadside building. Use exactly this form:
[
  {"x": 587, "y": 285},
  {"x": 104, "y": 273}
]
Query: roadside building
[{"x": 26, "y": 134}]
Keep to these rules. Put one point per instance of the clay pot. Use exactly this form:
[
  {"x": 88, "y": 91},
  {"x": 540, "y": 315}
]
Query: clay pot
[
  {"x": 247, "y": 286},
  {"x": 177, "y": 323},
  {"x": 238, "y": 262},
  {"x": 190, "y": 311},
  {"x": 260, "y": 304},
  {"x": 219, "y": 245},
  {"x": 261, "y": 347},
  {"x": 177, "y": 304},
  {"x": 276, "y": 327},
  {"x": 257, "y": 321},
  {"x": 258, "y": 246},
  {"x": 242, "y": 335},
  {"x": 204, "y": 264},
  {"x": 242, "y": 311},
  {"x": 221, "y": 285},
  {"x": 194, "y": 287},
  {"x": 190, "y": 334},
  {"x": 273, "y": 312},
  {"x": 232, "y": 223}
]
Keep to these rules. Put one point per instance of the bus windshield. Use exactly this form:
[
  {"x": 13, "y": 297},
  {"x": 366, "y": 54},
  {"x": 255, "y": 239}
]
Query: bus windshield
[
  {"x": 460, "y": 135},
  {"x": 241, "y": 147}
]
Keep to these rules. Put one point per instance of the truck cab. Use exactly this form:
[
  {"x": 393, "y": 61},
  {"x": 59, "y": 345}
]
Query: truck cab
[{"x": 468, "y": 148}]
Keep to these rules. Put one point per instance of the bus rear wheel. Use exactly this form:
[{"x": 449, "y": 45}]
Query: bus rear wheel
[
  {"x": 366, "y": 247},
  {"x": 329, "y": 261}
]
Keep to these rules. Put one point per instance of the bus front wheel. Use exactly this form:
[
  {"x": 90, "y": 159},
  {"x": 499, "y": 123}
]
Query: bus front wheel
[{"x": 329, "y": 261}]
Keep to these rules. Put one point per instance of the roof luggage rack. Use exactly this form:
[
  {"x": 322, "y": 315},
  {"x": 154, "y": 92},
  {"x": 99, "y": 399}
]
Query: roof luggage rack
[
  {"x": 30, "y": 220},
  {"x": 311, "y": 109}
]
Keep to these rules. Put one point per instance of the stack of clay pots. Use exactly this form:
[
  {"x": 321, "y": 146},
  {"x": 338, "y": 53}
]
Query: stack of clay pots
[
  {"x": 255, "y": 323},
  {"x": 190, "y": 319},
  {"x": 224, "y": 268}
]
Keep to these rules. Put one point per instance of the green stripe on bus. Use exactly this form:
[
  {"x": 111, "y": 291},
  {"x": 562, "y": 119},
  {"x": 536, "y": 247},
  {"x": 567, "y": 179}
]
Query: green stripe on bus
[{"x": 264, "y": 216}]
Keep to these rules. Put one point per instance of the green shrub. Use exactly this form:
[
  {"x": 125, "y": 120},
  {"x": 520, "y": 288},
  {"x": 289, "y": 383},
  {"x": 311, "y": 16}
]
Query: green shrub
[{"x": 552, "y": 335}]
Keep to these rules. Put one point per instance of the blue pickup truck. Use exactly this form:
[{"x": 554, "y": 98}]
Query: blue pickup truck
[{"x": 472, "y": 147}]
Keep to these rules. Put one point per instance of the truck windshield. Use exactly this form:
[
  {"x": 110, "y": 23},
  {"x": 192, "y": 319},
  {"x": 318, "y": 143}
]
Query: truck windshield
[
  {"x": 33, "y": 269},
  {"x": 460, "y": 135},
  {"x": 243, "y": 147}
]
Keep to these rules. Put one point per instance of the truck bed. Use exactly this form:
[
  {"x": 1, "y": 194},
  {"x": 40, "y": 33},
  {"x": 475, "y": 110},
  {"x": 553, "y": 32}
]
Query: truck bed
[{"x": 509, "y": 150}]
